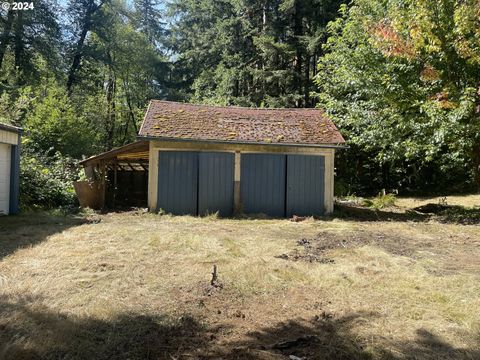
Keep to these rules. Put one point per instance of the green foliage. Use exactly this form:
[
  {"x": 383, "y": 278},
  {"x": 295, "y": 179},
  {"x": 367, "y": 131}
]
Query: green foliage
[
  {"x": 14, "y": 108},
  {"x": 47, "y": 181},
  {"x": 121, "y": 70},
  {"x": 401, "y": 82},
  {"x": 249, "y": 53},
  {"x": 26, "y": 36},
  {"x": 380, "y": 201},
  {"x": 55, "y": 126}
]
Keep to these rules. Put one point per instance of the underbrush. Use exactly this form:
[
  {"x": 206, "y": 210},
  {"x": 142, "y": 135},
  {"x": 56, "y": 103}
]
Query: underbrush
[
  {"x": 380, "y": 201},
  {"x": 46, "y": 182},
  {"x": 451, "y": 213}
]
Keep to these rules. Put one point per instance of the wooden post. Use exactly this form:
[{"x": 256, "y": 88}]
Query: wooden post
[
  {"x": 89, "y": 172},
  {"x": 237, "y": 201},
  {"x": 114, "y": 183},
  {"x": 329, "y": 181},
  {"x": 152, "y": 177},
  {"x": 102, "y": 171},
  {"x": 214, "y": 280}
]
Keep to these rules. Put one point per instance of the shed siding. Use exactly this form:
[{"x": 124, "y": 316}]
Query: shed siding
[
  {"x": 8, "y": 137},
  {"x": 263, "y": 184},
  {"x": 5, "y": 175},
  {"x": 215, "y": 183},
  {"x": 178, "y": 182},
  {"x": 9, "y": 171},
  {"x": 15, "y": 178},
  {"x": 305, "y": 185},
  {"x": 233, "y": 147}
]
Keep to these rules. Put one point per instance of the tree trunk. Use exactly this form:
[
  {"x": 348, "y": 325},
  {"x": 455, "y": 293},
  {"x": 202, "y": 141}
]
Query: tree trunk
[
  {"x": 297, "y": 32},
  {"x": 307, "y": 81},
  {"x": 110, "y": 125},
  {"x": 5, "y": 38},
  {"x": 264, "y": 18},
  {"x": 130, "y": 112},
  {"x": 476, "y": 164},
  {"x": 476, "y": 146},
  {"x": 77, "y": 57},
  {"x": 18, "y": 41},
  {"x": 313, "y": 100}
]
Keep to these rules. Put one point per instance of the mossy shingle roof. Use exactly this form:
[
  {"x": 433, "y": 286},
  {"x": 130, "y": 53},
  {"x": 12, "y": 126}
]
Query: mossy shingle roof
[{"x": 173, "y": 120}]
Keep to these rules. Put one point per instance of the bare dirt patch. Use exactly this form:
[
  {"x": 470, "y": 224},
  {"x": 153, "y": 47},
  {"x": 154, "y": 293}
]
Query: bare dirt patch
[
  {"x": 316, "y": 249},
  {"x": 308, "y": 253},
  {"x": 450, "y": 253}
]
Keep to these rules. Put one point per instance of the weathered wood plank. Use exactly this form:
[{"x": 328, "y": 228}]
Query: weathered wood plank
[
  {"x": 8, "y": 137},
  {"x": 153, "y": 177}
]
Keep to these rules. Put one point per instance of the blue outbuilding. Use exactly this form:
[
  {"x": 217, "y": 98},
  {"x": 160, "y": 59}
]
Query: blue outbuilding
[{"x": 10, "y": 138}]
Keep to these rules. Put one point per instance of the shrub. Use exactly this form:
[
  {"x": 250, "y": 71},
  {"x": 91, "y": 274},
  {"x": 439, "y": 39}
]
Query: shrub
[
  {"x": 47, "y": 181},
  {"x": 55, "y": 124},
  {"x": 381, "y": 201}
]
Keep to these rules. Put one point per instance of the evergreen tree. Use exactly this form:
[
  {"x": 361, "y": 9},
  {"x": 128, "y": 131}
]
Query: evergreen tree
[
  {"x": 27, "y": 36},
  {"x": 148, "y": 19},
  {"x": 86, "y": 16},
  {"x": 251, "y": 53}
]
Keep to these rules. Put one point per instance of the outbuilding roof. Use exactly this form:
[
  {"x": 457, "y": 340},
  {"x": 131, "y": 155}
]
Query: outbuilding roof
[
  {"x": 10, "y": 128},
  {"x": 182, "y": 121},
  {"x": 131, "y": 152}
]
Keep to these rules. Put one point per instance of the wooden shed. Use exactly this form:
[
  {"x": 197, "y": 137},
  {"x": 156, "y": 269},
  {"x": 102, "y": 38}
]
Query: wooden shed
[
  {"x": 116, "y": 178},
  {"x": 10, "y": 137},
  {"x": 199, "y": 159},
  {"x": 204, "y": 159}
]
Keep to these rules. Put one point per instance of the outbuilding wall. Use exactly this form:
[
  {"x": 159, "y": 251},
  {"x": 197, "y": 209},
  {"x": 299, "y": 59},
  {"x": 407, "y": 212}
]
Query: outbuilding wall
[
  {"x": 156, "y": 146},
  {"x": 12, "y": 137}
]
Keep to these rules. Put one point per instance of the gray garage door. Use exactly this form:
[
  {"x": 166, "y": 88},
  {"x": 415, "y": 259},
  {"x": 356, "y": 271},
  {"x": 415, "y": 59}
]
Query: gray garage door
[
  {"x": 262, "y": 186},
  {"x": 195, "y": 182},
  {"x": 178, "y": 182},
  {"x": 273, "y": 184},
  {"x": 305, "y": 185},
  {"x": 215, "y": 183}
]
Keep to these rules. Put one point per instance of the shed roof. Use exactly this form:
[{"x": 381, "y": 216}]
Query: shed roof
[
  {"x": 11, "y": 128},
  {"x": 129, "y": 153},
  {"x": 182, "y": 121}
]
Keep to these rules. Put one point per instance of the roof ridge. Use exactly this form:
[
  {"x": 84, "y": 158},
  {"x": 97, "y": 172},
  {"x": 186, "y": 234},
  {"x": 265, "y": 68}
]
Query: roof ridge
[{"x": 234, "y": 106}]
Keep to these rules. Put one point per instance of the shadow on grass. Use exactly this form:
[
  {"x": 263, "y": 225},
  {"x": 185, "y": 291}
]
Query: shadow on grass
[
  {"x": 319, "y": 338},
  {"x": 459, "y": 215},
  {"x": 454, "y": 214},
  {"x": 31, "y": 228},
  {"x": 30, "y": 330},
  {"x": 335, "y": 339},
  {"x": 348, "y": 213}
]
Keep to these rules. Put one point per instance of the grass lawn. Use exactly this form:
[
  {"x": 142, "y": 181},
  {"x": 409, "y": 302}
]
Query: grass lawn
[{"x": 137, "y": 286}]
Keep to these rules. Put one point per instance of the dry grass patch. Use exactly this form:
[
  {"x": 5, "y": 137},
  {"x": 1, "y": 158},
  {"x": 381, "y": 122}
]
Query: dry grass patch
[{"x": 138, "y": 286}]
